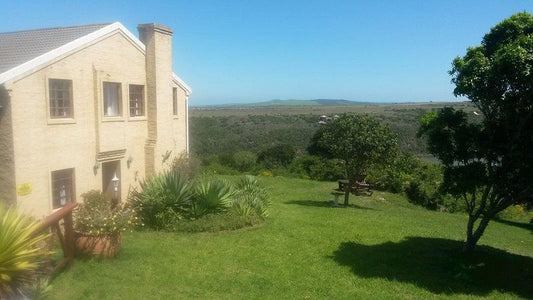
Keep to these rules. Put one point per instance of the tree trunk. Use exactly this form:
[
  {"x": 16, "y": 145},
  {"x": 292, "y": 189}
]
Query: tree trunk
[{"x": 472, "y": 237}]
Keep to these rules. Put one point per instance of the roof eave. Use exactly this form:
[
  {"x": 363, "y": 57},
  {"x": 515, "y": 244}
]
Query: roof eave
[{"x": 182, "y": 84}]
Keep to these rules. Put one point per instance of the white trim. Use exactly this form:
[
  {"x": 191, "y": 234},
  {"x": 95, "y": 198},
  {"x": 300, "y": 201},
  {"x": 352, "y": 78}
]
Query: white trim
[
  {"x": 187, "y": 124},
  {"x": 182, "y": 84},
  {"x": 75, "y": 45},
  {"x": 40, "y": 61}
]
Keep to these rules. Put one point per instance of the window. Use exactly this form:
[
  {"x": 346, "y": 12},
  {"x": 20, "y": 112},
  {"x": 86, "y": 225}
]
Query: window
[
  {"x": 62, "y": 187},
  {"x": 175, "y": 101},
  {"x": 60, "y": 98},
  {"x": 136, "y": 100},
  {"x": 112, "y": 99}
]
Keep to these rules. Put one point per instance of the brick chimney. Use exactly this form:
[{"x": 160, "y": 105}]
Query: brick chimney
[{"x": 158, "y": 41}]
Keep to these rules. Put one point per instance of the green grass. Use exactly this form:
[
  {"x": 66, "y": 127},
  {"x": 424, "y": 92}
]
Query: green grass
[{"x": 380, "y": 247}]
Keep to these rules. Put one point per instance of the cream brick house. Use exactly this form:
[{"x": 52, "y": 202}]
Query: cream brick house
[{"x": 81, "y": 105}]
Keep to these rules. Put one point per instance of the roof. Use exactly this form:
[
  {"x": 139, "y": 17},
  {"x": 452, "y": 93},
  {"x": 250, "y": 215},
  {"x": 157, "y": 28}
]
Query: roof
[
  {"x": 21, "y": 46},
  {"x": 23, "y": 52}
]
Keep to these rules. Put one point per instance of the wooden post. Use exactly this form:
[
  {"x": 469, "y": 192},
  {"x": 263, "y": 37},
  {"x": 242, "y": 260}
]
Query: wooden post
[
  {"x": 344, "y": 185},
  {"x": 346, "y": 193},
  {"x": 69, "y": 236},
  {"x": 67, "y": 239}
]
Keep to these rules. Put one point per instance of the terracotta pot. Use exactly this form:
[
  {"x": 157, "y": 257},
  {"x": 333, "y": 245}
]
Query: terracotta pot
[{"x": 104, "y": 245}]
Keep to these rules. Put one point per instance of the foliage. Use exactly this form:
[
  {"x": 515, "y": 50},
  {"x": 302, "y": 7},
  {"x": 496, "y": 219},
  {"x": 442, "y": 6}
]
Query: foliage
[
  {"x": 250, "y": 198},
  {"x": 244, "y": 160},
  {"x": 276, "y": 156},
  {"x": 20, "y": 255},
  {"x": 98, "y": 215},
  {"x": 397, "y": 175},
  {"x": 518, "y": 213},
  {"x": 317, "y": 168},
  {"x": 361, "y": 141},
  {"x": 211, "y": 196},
  {"x": 187, "y": 165},
  {"x": 168, "y": 201},
  {"x": 162, "y": 199},
  {"x": 489, "y": 164}
]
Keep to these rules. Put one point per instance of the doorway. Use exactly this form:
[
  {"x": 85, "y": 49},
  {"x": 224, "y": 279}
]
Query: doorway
[{"x": 109, "y": 170}]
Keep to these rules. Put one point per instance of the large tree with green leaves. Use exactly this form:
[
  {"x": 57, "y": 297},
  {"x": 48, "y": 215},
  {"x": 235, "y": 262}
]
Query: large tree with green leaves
[
  {"x": 360, "y": 141},
  {"x": 489, "y": 162}
]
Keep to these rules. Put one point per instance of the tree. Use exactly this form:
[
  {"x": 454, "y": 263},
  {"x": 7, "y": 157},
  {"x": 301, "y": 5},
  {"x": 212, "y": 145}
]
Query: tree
[
  {"x": 360, "y": 141},
  {"x": 276, "y": 156},
  {"x": 489, "y": 162}
]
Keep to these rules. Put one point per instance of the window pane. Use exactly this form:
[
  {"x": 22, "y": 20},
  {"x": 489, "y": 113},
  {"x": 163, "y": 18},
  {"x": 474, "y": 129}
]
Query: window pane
[
  {"x": 136, "y": 100},
  {"x": 175, "y": 101},
  {"x": 60, "y": 94},
  {"x": 112, "y": 99},
  {"x": 62, "y": 187}
]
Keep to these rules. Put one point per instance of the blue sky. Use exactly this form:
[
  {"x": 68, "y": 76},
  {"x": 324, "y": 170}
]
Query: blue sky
[{"x": 248, "y": 51}]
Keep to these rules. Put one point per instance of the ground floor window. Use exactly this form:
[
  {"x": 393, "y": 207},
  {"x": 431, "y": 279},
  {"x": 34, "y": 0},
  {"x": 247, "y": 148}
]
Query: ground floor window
[{"x": 62, "y": 187}]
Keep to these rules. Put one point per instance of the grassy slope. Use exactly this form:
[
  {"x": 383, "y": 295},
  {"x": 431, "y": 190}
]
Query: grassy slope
[{"x": 382, "y": 247}]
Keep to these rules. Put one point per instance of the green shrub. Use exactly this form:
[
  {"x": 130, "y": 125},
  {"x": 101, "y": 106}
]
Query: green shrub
[
  {"x": 217, "y": 168},
  {"x": 168, "y": 201},
  {"x": 317, "y": 168},
  {"x": 187, "y": 166},
  {"x": 20, "y": 255},
  {"x": 397, "y": 176},
  {"x": 250, "y": 198},
  {"x": 162, "y": 199},
  {"x": 98, "y": 215},
  {"x": 211, "y": 196},
  {"x": 517, "y": 213},
  {"x": 424, "y": 188},
  {"x": 244, "y": 161},
  {"x": 276, "y": 156}
]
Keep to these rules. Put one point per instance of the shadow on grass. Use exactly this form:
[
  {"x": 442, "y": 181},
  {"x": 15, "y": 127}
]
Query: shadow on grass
[
  {"x": 438, "y": 266},
  {"x": 528, "y": 226},
  {"x": 329, "y": 204}
]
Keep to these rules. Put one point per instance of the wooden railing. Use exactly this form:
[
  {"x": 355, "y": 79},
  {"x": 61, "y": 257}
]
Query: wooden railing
[{"x": 67, "y": 238}]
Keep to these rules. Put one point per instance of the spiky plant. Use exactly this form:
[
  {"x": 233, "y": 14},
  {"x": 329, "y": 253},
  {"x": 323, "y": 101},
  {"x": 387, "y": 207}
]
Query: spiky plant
[
  {"x": 250, "y": 197},
  {"x": 20, "y": 255},
  {"x": 162, "y": 199},
  {"x": 211, "y": 195}
]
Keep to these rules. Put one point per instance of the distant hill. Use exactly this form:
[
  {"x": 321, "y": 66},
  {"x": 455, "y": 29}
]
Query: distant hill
[{"x": 292, "y": 102}]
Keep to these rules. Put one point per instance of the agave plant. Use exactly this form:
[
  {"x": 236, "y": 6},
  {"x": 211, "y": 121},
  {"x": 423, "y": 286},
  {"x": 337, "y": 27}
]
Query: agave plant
[
  {"x": 20, "y": 255},
  {"x": 251, "y": 198},
  {"x": 162, "y": 199},
  {"x": 211, "y": 195}
]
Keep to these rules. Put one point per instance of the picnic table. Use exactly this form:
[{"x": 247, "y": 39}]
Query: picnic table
[{"x": 345, "y": 188}]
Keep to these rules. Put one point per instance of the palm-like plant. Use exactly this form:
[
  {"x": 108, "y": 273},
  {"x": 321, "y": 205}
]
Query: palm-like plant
[
  {"x": 20, "y": 255},
  {"x": 163, "y": 196},
  {"x": 211, "y": 196},
  {"x": 251, "y": 198}
]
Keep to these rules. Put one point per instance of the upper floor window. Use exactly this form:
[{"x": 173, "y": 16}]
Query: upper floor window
[
  {"x": 60, "y": 98},
  {"x": 112, "y": 99},
  {"x": 136, "y": 100},
  {"x": 62, "y": 187},
  {"x": 175, "y": 101}
]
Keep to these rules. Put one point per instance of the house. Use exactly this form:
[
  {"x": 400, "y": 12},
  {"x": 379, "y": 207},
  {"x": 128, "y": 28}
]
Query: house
[{"x": 86, "y": 107}]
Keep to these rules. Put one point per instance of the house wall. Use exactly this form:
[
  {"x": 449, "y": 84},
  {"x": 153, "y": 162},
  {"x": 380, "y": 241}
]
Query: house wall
[
  {"x": 42, "y": 145},
  {"x": 7, "y": 158}
]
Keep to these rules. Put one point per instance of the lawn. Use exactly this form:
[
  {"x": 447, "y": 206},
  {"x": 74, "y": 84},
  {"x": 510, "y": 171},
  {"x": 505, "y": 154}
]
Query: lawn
[{"x": 380, "y": 247}]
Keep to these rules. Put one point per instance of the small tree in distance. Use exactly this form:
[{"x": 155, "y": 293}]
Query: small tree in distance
[
  {"x": 489, "y": 163},
  {"x": 360, "y": 141}
]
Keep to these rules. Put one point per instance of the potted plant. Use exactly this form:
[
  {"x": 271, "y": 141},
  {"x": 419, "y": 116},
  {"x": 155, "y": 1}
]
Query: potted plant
[{"x": 99, "y": 223}]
